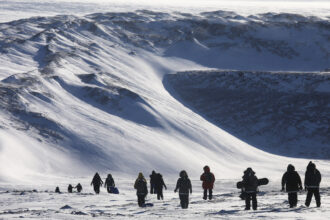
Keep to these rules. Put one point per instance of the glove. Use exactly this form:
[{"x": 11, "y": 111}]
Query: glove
[
  {"x": 175, "y": 190},
  {"x": 190, "y": 191}
]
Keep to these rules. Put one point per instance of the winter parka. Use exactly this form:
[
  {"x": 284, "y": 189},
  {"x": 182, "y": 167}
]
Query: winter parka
[{"x": 208, "y": 178}]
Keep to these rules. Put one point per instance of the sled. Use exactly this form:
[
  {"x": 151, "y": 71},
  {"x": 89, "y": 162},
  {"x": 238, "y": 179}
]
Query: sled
[
  {"x": 148, "y": 205},
  {"x": 261, "y": 182},
  {"x": 114, "y": 190}
]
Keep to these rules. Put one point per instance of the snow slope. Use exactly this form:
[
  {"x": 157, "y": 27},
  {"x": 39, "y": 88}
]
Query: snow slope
[
  {"x": 81, "y": 94},
  {"x": 91, "y": 88}
]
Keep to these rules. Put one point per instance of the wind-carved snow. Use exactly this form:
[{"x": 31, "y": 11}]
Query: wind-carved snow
[
  {"x": 92, "y": 86},
  {"x": 86, "y": 94}
]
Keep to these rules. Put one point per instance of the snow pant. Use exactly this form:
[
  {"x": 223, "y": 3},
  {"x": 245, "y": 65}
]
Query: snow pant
[
  {"x": 160, "y": 194},
  {"x": 184, "y": 200},
  {"x": 293, "y": 199},
  {"x": 141, "y": 199},
  {"x": 248, "y": 198},
  {"x": 205, "y": 194},
  {"x": 97, "y": 189},
  {"x": 310, "y": 193},
  {"x": 152, "y": 189}
]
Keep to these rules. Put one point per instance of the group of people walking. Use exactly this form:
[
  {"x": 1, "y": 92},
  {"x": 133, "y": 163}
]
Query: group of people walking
[{"x": 291, "y": 183}]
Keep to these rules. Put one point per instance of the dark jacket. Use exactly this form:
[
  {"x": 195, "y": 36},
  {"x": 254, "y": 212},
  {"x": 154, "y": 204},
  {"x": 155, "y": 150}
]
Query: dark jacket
[
  {"x": 109, "y": 181},
  {"x": 312, "y": 176},
  {"x": 183, "y": 184},
  {"x": 208, "y": 178},
  {"x": 152, "y": 178},
  {"x": 291, "y": 180},
  {"x": 141, "y": 186},
  {"x": 159, "y": 182},
  {"x": 97, "y": 181},
  {"x": 250, "y": 181}
]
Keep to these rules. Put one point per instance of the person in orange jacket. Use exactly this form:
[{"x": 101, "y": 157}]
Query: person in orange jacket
[{"x": 208, "y": 182}]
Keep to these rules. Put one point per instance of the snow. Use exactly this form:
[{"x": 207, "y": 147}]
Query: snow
[{"x": 83, "y": 89}]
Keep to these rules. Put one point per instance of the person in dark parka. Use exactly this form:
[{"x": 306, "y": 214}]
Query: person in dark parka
[
  {"x": 152, "y": 182},
  {"x": 97, "y": 182},
  {"x": 291, "y": 180},
  {"x": 109, "y": 182},
  {"x": 250, "y": 188},
  {"x": 312, "y": 184},
  {"x": 159, "y": 184},
  {"x": 208, "y": 182},
  {"x": 57, "y": 189},
  {"x": 78, "y": 187},
  {"x": 184, "y": 186},
  {"x": 141, "y": 189},
  {"x": 70, "y": 187}
]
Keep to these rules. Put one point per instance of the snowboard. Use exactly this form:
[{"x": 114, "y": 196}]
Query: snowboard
[
  {"x": 148, "y": 205},
  {"x": 261, "y": 182},
  {"x": 114, "y": 190}
]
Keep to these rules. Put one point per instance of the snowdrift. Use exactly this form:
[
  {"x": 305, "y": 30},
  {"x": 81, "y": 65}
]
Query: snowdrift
[{"x": 81, "y": 94}]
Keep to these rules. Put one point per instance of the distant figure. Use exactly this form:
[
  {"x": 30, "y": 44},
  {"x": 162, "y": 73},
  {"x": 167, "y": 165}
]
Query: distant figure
[
  {"x": 70, "y": 188},
  {"x": 312, "y": 184},
  {"x": 152, "y": 182},
  {"x": 184, "y": 186},
  {"x": 208, "y": 181},
  {"x": 292, "y": 181},
  {"x": 159, "y": 184},
  {"x": 141, "y": 189},
  {"x": 97, "y": 182},
  {"x": 57, "y": 189},
  {"x": 250, "y": 185},
  {"x": 78, "y": 187},
  {"x": 109, "y": 182}
]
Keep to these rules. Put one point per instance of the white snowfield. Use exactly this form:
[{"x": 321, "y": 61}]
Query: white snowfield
[{"x": 84, "y": 91}]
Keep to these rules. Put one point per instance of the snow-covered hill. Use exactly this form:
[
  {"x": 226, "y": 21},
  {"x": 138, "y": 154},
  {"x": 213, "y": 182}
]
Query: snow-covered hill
[
  {"x": 282, "y": 113},
  {"x": 88, "y": 91}
]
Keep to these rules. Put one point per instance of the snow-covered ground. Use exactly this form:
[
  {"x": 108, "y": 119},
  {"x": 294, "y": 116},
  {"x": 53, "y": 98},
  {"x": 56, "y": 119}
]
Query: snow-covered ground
[{"x": 84, "y": 91}]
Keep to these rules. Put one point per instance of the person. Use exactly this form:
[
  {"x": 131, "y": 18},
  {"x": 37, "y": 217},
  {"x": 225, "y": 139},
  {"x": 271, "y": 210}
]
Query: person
[
  {"x": 141, "y": 189},
  {"x": 208, "y": 181},
  {"x": 109, "y": 182},
  {"x": 97, "y": 182},
  {"x": 158, "y": 186},
  {"x": 70, "y": 188},
  {"x": 57, "y": 189},
  {"x": 291, "y": 180},
  {"x": 152, "y": 182},
  {"x": 78, "y": 187},
  {"x": 184, "y": 186},
  {"x": 250, "y": 188},
  {"x": 312, "y": 184}
]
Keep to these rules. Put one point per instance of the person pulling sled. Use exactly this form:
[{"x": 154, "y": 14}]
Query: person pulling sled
[{"x": 109, "y": 183}]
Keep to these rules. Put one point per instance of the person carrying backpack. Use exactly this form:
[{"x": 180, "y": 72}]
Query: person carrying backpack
[
  {"x": 291, "y": 180},
  {"x": 78, "y": 187},
  {"x": 159, "y": 184},
  {"x": 184, "y": 186},
  {"x": 208, "y": 182},
  {"x": 250, "y": 188},
  {"x": 312, "y": 184},
  {"x": 97, "y": 182},
  {"x": 152, "y": 182},
  {"x": 141, "y": 189},
  {"x": 109, "y": 182}
]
